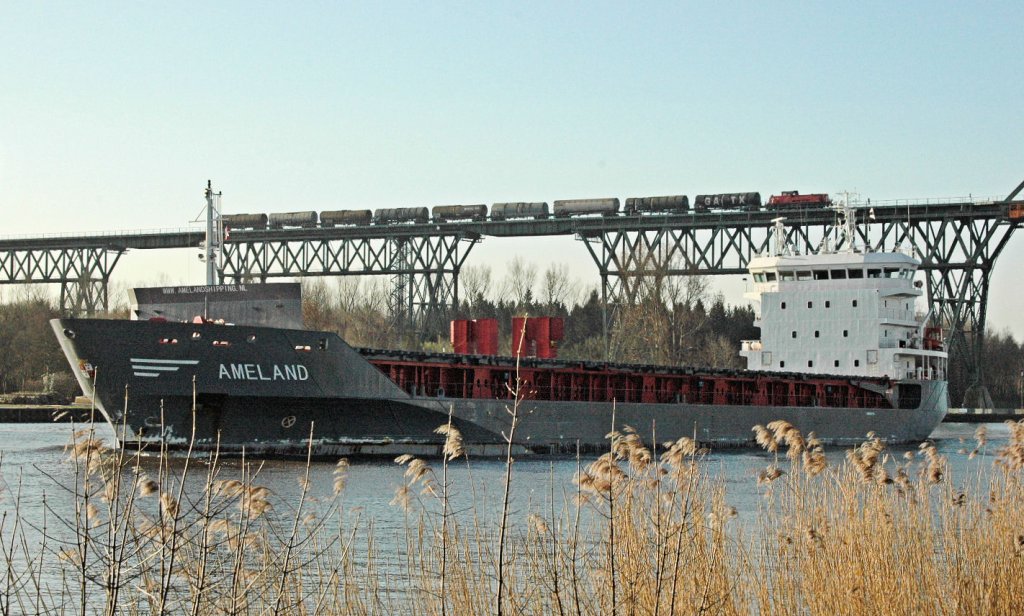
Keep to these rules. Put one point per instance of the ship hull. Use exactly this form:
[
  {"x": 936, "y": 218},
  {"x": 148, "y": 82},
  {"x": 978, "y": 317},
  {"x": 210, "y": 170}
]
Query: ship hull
[{"x": 266, "y": 391}]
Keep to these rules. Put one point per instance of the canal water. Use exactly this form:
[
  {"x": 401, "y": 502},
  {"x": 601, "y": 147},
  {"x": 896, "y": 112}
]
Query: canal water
[
  {"x": 34, "y": 466},
  {"x": 37, "y": 478}
]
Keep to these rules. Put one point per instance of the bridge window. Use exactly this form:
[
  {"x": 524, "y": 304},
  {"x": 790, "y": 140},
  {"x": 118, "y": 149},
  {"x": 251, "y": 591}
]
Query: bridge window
[
  {"x": 838, "y": 274},
  {"x": 770, "y": 276},
  {"x": 874, "y": 273},
  {"x": 891, "y": 272},
  {"x": 759, "y": 277},
  {"x": 821, "y": 274},
  {"x": 804, "y": 276},
  {"x": 786, "y": 276},
  {"x": 856, "y": 273}
]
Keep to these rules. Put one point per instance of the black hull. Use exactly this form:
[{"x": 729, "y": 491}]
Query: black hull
[{"x": 265, "y": 390}]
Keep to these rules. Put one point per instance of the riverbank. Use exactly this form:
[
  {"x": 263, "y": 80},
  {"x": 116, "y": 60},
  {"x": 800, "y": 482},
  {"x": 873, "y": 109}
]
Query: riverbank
[
  {"x": 967, "y": 415},
  {"x": 79, "y": 412},
  {"x": 44, "y": 413}
]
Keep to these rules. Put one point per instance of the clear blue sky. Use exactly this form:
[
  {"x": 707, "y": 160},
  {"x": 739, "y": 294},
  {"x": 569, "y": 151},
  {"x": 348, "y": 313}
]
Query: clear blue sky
[{"x": 113, "y": 115}]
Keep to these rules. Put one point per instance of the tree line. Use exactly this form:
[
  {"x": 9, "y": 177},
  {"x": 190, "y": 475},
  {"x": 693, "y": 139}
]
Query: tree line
[{"x": 675, "y": 321}]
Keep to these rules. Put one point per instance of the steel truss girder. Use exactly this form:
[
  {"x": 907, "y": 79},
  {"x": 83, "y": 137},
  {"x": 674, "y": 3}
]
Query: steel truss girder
[
  {"x": 628, "y": 259},
  {"x": 83, "y": 274},
  {"x": 425, "y": 269}
]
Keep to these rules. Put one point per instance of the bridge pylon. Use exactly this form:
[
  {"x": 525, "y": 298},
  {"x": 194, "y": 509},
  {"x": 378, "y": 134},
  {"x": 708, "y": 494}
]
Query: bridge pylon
[
  {"x": 424, "y": 268},
  {"x": 82, "y": 272}
]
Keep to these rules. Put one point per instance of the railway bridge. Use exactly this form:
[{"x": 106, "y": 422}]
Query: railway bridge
[{"x": 957, "y": 241}]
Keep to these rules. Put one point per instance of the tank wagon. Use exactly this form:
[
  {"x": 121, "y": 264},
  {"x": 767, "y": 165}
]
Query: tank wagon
[
  {"x": 331, "y": 218},
  {"x": 387, "y": 215},
  {"x": 792, "y": 199},
  {"x": 244, "y": 221},
  {"x": 520, "y": 209},
  {"x": 673, "y": 204},
  {"x": 279, "y": 220},
  {"x": 583, "y": 207},
  {"x": 444, "y": 213},
  {"x": 539, "y": 210},
  {"x": 728, "y": 201}
]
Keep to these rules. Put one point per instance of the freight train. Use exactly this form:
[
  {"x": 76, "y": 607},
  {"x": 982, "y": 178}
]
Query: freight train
[{"x": 521, "y": 210}]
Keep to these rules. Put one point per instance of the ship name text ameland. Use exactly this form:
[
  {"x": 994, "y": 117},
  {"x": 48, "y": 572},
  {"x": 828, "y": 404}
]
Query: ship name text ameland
[{"x": 255, "y": 372}]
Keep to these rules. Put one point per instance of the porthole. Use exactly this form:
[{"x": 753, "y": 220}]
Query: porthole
[
  {"x": 70, "y": 333},
  {"x": 250, "y": 338}
]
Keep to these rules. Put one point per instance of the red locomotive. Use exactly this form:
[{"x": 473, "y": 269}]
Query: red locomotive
[{"x": 793, "y": 199}]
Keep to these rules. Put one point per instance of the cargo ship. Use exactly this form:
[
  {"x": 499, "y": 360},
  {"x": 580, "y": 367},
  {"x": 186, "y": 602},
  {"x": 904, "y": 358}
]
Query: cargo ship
[{"x": 843, "y": 353}]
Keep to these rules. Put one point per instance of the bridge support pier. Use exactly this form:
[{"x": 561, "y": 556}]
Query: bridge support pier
[
  {"x": 83, "y": 274},
  {"x": 424, "y": 269},
  {"x": 636, "y": 265},
  {"x": 958, "y": 257}
]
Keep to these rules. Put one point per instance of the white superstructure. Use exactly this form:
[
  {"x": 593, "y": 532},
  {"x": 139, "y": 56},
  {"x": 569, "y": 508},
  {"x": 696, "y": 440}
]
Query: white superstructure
[{"x": 846, "y": 312}]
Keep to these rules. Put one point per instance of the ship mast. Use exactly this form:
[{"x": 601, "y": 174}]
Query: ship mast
[
  {"x": 781, "y": 242},
  {"x": 214, "y": 233},
  {"x": 847, "y": 223}
]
